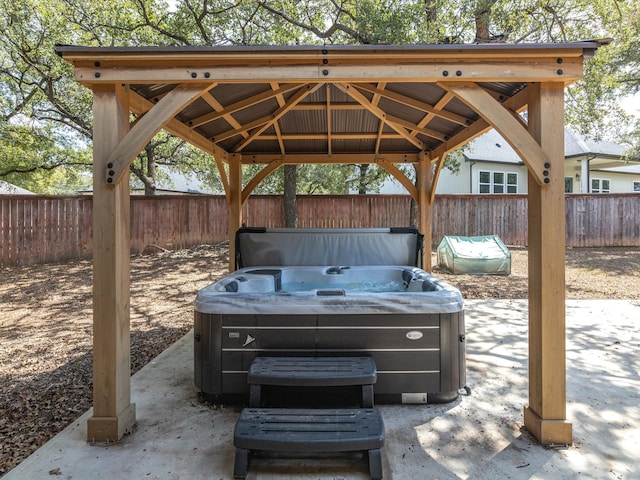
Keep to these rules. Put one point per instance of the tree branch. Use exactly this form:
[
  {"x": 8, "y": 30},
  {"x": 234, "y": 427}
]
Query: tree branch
[{"x": 322, "y": 34}]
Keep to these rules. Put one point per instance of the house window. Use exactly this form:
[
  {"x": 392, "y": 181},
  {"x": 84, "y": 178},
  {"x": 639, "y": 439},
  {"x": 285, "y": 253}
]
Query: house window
[
  {"x": 636, "y": 187},
  {"x": 600, "y": 185},
  {"x": 485, "y": 182},
  {"x": 498, "y": 182},
  {"x": 568, "y": 185}
]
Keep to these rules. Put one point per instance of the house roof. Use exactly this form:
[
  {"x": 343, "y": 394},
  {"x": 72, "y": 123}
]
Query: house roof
[
  {"x": 491, "y": 147},
  {"x": 577, "y": 145},
  {"x": 351, "y": 104},
  {"x": 7, "y": 188},
  {"x": 626, "y": 169}
]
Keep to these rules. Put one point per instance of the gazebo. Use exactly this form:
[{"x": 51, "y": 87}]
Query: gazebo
[{"x": 384, "y": 105}]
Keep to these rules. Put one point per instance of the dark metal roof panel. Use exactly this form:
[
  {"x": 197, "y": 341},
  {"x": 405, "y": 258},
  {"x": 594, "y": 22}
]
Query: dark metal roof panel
[
  {"x": 242, "y": 49},
  {"x": 304, "y": 121},
  {"x": 354, "y": 121},
  {"x": 353, "y": 146},
  {"x": 352, "y": 127}
]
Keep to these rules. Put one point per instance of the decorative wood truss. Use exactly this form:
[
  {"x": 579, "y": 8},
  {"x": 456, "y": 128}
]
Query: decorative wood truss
[{"x": 379, "y": 105}]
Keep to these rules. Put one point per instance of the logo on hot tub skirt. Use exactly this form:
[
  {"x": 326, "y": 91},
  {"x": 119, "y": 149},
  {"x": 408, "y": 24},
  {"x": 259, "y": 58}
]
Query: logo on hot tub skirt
[
  {"x": 414, "y": 335},
  {"x": 249, "y": 340}
]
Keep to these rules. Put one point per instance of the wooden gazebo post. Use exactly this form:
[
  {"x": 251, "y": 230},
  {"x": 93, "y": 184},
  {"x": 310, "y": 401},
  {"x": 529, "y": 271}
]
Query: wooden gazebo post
[
  {"x": 113, "y": 412},
  {"x": 115, "y": 145},
  {"x": 545, "y": 416},
  {"x": 541, "y": 146},
  {"x": 234, "y": 199},
  {"x": 425, "y": 208}
]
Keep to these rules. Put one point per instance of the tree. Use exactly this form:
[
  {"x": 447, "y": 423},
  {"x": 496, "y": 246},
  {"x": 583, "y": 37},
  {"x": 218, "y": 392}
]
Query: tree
[
  {"x": 50, "y": 112},
  {"x": 290, "y": 175},
  {"x": 39, "y": 160},
  {"x": 38, "y": 86},
  {"x": 621, "y": 73},
  {"x": 42, "y": 132}
]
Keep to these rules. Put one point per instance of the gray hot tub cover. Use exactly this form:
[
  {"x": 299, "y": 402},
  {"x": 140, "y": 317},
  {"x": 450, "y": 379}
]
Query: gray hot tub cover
[{"x": 317, "y": 247}]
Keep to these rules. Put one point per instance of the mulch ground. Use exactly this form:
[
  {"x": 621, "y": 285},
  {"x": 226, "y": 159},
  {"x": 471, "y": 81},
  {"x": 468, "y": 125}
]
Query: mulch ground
[{"x": 46, "y": 324}]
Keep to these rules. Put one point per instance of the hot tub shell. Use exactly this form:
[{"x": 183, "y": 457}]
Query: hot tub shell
[{"x": 415, "y": 335}]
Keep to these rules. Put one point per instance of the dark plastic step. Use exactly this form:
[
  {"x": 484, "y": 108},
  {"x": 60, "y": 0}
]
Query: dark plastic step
[
  {"x": 312, "y": 372},
  {"x": 311, "y": 431}
]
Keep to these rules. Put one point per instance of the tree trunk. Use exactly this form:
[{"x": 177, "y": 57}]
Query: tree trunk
[
  {"x": 150, "y": 183},
  {"x": 483, "y": 20},
  {"x": 145, "y": 170},
  {"x": 431, "y": 11},
  {"x": 362, "y": 180},
  {"x": 414, "y": 211},
  {"x": 290, "y": 200}
]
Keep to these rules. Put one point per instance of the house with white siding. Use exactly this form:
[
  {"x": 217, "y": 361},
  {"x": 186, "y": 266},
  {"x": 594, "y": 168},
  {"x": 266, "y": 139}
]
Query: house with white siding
[{"x": 490, "y": 165}]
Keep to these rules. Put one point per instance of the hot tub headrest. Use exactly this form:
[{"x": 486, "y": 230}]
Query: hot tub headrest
[{"x": 315, "y": 247}]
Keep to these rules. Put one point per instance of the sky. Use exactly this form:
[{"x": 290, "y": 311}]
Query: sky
[{"x": 631, "y": 104}]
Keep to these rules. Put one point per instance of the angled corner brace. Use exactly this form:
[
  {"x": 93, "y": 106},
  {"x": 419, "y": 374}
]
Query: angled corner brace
[
  {"x": 261, "y": 175},
  {"x": 400, "y": 176},
  {"x": 147, "y": 126},
  {"x": 513, "y": 130}
]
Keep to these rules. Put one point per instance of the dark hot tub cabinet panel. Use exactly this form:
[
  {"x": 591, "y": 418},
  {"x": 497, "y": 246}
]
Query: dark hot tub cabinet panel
[{"x": 409, "y": 321}]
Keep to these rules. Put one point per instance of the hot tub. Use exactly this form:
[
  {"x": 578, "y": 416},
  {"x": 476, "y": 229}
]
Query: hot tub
[{"x": 409, "y": 321}]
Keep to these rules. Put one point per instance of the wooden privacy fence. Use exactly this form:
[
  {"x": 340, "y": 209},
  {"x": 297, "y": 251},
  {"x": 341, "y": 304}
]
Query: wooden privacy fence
[{"x": 54, "y": 229}]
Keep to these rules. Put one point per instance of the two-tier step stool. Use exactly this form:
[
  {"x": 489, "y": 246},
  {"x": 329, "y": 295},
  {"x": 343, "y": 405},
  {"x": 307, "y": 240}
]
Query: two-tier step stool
[{"x": 310, "y": 429}]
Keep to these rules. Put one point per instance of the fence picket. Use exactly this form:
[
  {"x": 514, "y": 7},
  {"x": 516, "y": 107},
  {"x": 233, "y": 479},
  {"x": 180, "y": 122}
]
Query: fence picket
[{"x": 40, "y": 229}]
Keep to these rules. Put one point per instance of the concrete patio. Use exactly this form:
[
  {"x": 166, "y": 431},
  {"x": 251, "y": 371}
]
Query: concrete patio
[{"x": 476, "y": 437}]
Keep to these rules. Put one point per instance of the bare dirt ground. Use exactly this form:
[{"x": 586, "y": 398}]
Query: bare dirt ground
[{"x": 46, "y": 324}]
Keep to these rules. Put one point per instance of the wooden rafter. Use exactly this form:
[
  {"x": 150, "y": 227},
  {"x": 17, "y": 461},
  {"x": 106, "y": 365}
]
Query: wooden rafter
[
  {"x": 378, "y": 112},
  {"x": 414, "y": 128},
  {"x": 261, "y": 124},
  {"x": 329, "y": 123},
  {"x": 375, "y": 101},
  {"x": 379, "y": 137},
  {"x": 323, "y": 158},
  {"x": 337, "y": 106},
  {"x": 293, "y": 101},
  {"x": 281, "y": 103},
  {"x": 413, "y": 103},
  {"x": 220, "y": 137},
  {"x": 438, "y": 107},
  {"x": 377, "y": 95},
  {"x": 334, "y": 136},
  {"x": 217, "y": 107},
  {"x": 244, "y": 103}
]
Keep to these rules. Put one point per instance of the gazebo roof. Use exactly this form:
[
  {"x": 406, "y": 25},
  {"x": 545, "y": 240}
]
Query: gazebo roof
[{"x": 338, "y": 104}]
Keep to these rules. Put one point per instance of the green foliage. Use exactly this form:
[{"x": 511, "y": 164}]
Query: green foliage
[
  {"x": 51, "y": 114},
  {"x": 42, "y": 161},
  {"x": 320, "y": 179}
]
